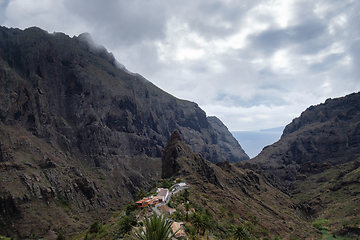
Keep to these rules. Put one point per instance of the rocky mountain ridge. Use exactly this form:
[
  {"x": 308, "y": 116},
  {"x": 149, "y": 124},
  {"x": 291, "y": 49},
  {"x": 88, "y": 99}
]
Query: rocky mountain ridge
[
  {"x": 80, "y": 135},
  {"x": 324, "y": 135},
  {"x": 317, "y": 161}
]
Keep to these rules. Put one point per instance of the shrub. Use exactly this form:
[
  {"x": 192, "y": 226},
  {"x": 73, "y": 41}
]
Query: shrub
[
  {"x": 95, "y": 227},
  {"x": 319, "y": 223},
  {"x": 241, "y": 233},
  {"x": 125, "y": 224},
  {"x": 254, "y": 219},
  {"x": 130, "y": 208}
]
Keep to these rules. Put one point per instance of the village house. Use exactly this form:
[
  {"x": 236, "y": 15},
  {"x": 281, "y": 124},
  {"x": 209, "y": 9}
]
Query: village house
[
  {"x": 165, "y": 209},
  {"x": 150, "y": 201},
  {"x": 164, "y": 193},
  {"x": 175, "y": 226}
]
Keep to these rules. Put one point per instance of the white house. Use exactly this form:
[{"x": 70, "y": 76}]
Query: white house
[{"x": 164, "y": 193}]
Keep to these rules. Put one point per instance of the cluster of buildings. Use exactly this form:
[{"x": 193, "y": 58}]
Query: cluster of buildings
[{"x": 163, "y": 196}]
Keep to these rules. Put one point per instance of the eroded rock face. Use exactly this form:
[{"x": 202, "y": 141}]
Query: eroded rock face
[
  {"x": 324, "y": 135},
  {"x": 77, "y": 127}
]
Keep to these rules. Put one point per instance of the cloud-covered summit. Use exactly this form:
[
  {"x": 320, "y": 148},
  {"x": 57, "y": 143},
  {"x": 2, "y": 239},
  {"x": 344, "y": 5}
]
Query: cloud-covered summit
[{"x": 255, "y": 64}]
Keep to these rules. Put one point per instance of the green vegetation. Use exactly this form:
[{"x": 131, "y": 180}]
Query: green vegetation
[
  {"x": 203, "y": 221},
  {"x": 328, "y": 236},
  {"x": 141, "y": 194},
  {"x": 125, "y": 224},
  {"x": 319, "y": 223},
  {"x": 95, "y": 227},
  {"x": 62, "y": 202},
  {"x": 5, "y": 238},
  {"x": 240, "y": 233},
  {"x": 186, "y": 195},
  {"x": 157, "y": 228},
  {"x": 166, "y": 184},
  {"x": 130, "y": 208}
]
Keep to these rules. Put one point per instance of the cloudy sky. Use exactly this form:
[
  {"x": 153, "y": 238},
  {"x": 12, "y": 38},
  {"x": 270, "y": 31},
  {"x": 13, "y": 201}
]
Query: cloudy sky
[{"x": 254, "y": 64}]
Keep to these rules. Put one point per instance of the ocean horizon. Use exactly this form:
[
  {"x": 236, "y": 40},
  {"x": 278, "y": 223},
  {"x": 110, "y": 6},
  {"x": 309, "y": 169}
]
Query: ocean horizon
[{"x": 254, "y": 141}]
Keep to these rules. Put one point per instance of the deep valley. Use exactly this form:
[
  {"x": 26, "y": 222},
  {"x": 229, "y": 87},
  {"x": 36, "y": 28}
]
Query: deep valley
[{"x": 82, "y": 139}]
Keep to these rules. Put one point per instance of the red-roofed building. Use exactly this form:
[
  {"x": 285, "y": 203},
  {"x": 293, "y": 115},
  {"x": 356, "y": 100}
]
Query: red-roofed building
[{"x": 151, "y": 201}]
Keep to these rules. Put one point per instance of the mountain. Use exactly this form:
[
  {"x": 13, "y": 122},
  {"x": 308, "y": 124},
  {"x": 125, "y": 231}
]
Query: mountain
[
  {"x": 325, "y": 135},
  {"x": 80, "y": 135},
  {"x": 235, "y": 196},
  {"x": 316, "y": 161}
]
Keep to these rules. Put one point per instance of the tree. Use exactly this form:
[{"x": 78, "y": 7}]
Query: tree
[
  {"x": 125, "y": 224},
  {"x": 186, "y": 194},
  {"x": 166, "y": 184},
  {"x": 141, "y": 194},
  {"x": 156, "y": 228},
  {"x": 207, "y": 222},
  {"x": 202, "y": 221},
  {"x": 196, "y": 221},
  {"x": 95, "y": 227},
  {"x": 240, "y": 233},
  {"x": 130, "y": 208},
  {"x": 187, "y": 208}
]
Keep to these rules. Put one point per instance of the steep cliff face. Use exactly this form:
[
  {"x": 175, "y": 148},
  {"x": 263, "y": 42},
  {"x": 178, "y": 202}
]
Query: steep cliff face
[
  {"x": 65, "y": 89},
  {"x": 324, "y": 135},
  {"x": 79, "y": 134},
  {"x": 225, "y": 140}
]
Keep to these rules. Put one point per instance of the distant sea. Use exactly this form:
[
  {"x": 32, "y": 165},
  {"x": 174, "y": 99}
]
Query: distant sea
[{"x": 254, "y": 142}]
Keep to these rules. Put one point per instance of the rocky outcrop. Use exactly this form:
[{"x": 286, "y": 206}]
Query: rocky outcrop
[
  {"x": 328, "y": 133},
  {"x": 178, "y": 159}
]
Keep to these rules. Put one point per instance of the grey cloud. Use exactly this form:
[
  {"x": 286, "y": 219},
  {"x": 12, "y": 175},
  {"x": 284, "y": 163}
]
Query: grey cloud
[
  {"x": 123, "y": 22},
  {"x": 269, "y": 41},
  {"x": 329, "y": 62},
  {"x": 355, "y": 54},
  {"x": 3, "y": 5},
  {"x": 214, "y": 19}
]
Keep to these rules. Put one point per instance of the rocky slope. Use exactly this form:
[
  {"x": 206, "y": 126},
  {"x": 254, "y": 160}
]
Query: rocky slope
[
  {"x": 228, "y": 191},
  {"x": 324, "y": 135},
  {"x": 316, "y": 161},
  {"x": 79, "y": 134},
  {"x": 332, "y": 194}
]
